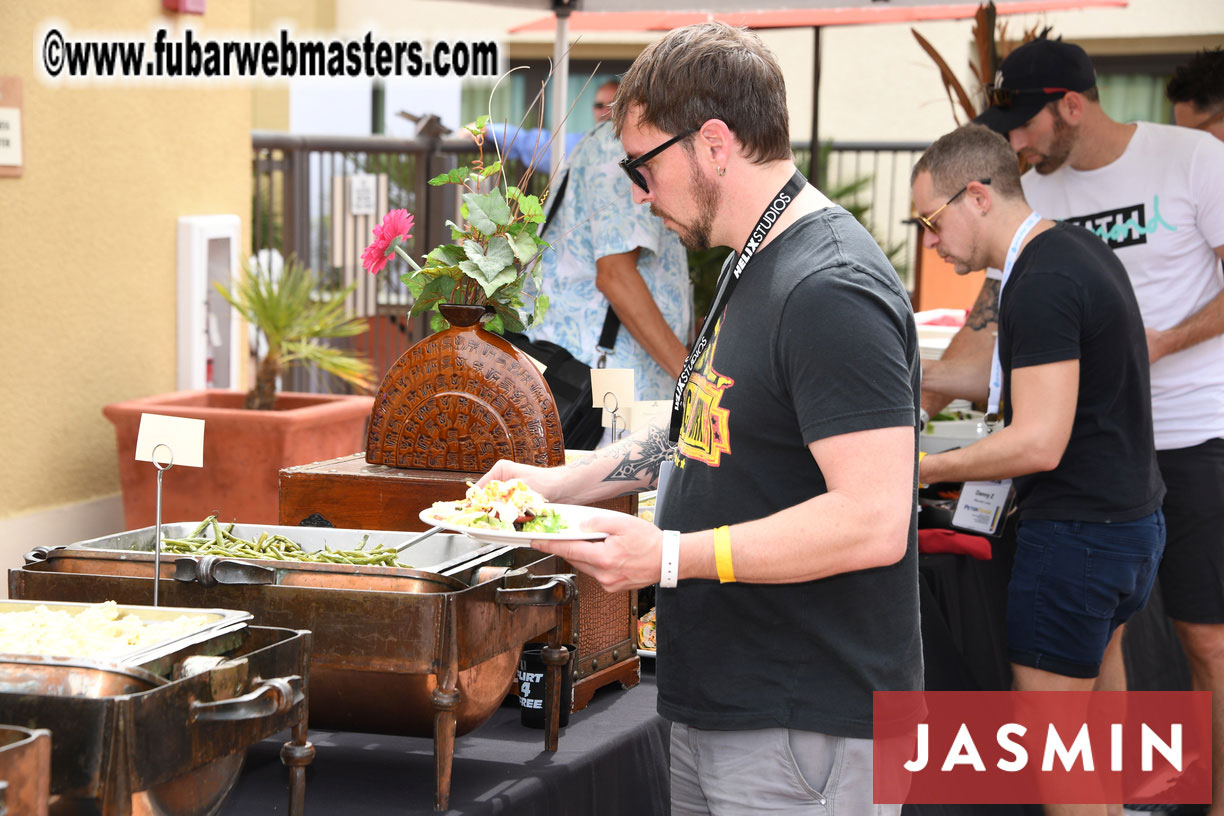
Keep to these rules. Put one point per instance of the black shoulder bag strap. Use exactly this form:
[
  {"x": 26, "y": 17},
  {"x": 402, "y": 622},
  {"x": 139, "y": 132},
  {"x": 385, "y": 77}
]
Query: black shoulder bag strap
[{"x": 611, "y": 325}]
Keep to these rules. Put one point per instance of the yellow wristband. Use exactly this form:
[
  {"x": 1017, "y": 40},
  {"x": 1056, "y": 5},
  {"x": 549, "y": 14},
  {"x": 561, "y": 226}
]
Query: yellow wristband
[{"x": 722, "y": 555}]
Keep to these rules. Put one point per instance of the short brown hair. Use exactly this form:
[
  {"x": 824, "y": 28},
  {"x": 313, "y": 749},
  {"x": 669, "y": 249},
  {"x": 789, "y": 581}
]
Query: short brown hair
[
  {"x": 968, "y": 153},
  {"x": 710, "y": 71},
  {"x": 1200, "y": 81}
]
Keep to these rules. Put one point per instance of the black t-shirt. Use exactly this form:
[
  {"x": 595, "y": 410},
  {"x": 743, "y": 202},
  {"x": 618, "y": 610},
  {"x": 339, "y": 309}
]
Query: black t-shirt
[
  {"x": 1068, "y": 297},
  {"x": 818, "y": 340}
]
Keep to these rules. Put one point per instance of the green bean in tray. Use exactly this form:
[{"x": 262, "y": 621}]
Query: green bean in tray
[{"x": 212, "y": 538}]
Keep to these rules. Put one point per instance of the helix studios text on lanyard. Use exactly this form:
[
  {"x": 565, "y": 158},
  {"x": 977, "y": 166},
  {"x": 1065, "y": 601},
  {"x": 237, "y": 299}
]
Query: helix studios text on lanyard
[{"x": 726, "y": 286}]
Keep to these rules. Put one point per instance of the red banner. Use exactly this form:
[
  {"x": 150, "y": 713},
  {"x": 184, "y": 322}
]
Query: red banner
[{"x": 1000, "y": 747}]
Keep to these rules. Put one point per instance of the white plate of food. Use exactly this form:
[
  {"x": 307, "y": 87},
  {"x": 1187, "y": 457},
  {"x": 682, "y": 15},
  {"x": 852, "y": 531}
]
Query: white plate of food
[{"x": 512, "y": 513}]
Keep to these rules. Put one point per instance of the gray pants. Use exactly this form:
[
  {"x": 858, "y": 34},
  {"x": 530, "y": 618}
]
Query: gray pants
[{"x": 771, "y": 770}]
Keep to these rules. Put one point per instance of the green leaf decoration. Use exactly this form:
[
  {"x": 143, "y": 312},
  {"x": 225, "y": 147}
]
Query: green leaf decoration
[
  {"x": 494, "y": 324},
  {"x": 454, "y": 176},
  {"x": 495, "y": 167},
  {"x": 541, "y": 309},
  {"x": 438, "y": 290},
  {"x": 415, "y": 281},
  {"x": 487, "y": 211},
  {"x": 490, "y": 284},
  {"x": 493, "y": 258},
  {"x": 512, "y": 292},
  {"x": 537, "y": 273},
  {"x": 524, "y": 246},
  {"x": 445, "y": 255},
  {"x": 509, "y": 317},
  {"x": 531, "y": 208},
  {"x": 437, "y": 322},
  {"x": 512, "y": 193}
]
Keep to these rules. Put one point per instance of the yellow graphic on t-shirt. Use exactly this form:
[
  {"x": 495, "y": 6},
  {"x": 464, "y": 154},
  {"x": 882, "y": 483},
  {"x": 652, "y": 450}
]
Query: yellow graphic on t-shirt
[{"x": 704, "y": 433}]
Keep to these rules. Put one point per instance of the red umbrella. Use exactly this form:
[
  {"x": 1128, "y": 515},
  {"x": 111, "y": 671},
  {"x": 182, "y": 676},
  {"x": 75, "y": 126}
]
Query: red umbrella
[{"x": 645, "y": 15}]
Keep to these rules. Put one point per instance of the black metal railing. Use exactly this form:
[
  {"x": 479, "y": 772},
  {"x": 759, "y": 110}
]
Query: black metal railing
[{"x": 317, "y": 199}]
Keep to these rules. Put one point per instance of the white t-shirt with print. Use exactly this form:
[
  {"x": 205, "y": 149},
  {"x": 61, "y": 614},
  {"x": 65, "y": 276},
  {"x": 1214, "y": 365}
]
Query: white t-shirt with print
[{"x": 1160, "y": 206}]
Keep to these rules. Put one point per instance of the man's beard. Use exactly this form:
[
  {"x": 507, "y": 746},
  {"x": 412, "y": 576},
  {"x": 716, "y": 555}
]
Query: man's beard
[
  {"x": 696, "y": 235},
  {"x": 1060, "y": 148}
]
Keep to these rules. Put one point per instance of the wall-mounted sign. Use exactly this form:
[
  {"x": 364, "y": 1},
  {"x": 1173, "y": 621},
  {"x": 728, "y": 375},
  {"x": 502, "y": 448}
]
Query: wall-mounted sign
[
  {"x": 10, "y": 127},
  {"x": 363, "y": 194}
]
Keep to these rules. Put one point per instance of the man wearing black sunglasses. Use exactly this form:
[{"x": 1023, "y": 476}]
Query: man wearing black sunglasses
[
  {"x": 619, "y": 283},
  {"x": 786, "y": 551},
  {"x": 1155, "y": 194}
]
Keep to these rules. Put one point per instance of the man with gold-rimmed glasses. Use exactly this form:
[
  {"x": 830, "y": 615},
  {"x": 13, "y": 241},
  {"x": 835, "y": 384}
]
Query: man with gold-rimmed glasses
[
  {"x": 1155, "y": 194},
  {"x": 1071, "y": 384}
]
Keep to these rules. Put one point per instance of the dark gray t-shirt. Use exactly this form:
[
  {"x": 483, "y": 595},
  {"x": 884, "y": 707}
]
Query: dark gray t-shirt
[{"x": 818, "y": 340}]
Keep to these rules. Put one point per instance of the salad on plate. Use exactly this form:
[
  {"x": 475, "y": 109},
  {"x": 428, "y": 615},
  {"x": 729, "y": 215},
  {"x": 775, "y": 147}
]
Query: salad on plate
[{"x": 511, "y": 506}]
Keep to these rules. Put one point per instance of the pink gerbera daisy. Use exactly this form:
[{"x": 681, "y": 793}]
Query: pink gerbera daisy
[{"x": 396, "y": 224}]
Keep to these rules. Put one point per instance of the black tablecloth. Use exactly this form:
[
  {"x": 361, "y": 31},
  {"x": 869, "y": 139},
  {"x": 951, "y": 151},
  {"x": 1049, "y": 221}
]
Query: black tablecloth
[
  {"x": 613, "y": 756},
  {"x": 611, "y": 759},
  {"x": 964, "y": 632},
  {"x": 964, "y": 641}
]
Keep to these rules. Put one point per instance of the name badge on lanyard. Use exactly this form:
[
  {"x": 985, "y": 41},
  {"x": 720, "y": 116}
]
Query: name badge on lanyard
[{"x": 982, "y": 504}]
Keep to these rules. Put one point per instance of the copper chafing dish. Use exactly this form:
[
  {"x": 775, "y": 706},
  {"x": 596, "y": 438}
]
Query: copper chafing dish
[
  {"x": 163, "y": 729},
  {"x": 421, "y": 652},
  {"x": 25, "y": 770}
]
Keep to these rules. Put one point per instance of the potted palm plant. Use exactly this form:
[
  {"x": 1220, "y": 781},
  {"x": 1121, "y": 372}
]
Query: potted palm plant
[{"x": 249, "y": 438}]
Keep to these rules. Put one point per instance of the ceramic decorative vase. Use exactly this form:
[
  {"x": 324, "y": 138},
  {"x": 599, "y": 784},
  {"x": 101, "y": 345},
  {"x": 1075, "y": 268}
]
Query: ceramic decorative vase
[{"x": 461, "y": 399}]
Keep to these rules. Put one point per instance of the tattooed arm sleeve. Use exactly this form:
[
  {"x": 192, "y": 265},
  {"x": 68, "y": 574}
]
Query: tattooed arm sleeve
[
  {"x": 634, "y": 462},
  {"x": 963, "y": 372}
]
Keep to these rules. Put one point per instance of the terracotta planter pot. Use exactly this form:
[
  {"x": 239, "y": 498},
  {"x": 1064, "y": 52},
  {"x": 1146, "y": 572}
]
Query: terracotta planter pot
[{"x": 244, "y": 452}]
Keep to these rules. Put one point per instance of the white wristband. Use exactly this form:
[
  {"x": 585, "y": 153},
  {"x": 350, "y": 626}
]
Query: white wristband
[{"x": 670, "y": 571}]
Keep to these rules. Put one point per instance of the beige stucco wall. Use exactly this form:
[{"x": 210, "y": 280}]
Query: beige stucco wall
[
  {"x": 878, "y": 84},
  {"x": 270, "y": 102},
  {"x": 87, "y": 242}
]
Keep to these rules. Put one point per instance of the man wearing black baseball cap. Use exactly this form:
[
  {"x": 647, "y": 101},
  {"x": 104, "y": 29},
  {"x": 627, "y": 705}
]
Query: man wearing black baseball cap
[
  {"x": 1034, "y": 75},
  {"x": 1155, "y": 194}
]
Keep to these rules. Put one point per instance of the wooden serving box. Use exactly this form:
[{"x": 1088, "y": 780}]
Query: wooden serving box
[{"x": 352, "y": 493}]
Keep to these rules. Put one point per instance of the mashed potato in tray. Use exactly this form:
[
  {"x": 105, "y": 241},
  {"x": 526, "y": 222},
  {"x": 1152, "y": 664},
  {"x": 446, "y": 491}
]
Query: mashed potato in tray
[
  {"x": 95, "y": 631},
  {"x": 510, "y": 505}
]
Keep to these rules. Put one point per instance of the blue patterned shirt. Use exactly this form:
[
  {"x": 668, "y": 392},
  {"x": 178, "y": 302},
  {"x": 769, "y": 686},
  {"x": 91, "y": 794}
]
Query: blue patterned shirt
[{"x": 598, "y": 218}]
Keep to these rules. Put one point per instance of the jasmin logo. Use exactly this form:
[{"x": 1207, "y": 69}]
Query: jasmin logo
[{"x": 1044, "y": 747}]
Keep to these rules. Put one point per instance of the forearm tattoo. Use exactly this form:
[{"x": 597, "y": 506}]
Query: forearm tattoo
[
  {"x": 637, "y": 459},
  {"x": 986, "y": 309}
]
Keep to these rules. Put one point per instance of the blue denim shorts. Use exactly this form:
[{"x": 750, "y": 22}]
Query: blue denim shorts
[{"x": 1073, "y": 583}]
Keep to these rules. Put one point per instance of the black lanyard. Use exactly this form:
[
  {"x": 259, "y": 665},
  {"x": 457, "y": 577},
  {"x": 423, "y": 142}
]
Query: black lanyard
[{"x": 726, "y": 286}]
